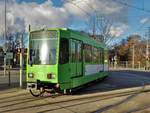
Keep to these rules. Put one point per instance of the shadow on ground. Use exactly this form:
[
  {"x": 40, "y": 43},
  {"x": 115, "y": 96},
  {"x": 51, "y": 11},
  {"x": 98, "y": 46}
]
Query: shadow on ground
[{"x": 117, "y": 80}]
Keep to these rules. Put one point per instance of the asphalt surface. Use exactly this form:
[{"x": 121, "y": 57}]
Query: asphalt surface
[
  {"x": 14, "y": 100},
  {"x": 118, "y": 80}
]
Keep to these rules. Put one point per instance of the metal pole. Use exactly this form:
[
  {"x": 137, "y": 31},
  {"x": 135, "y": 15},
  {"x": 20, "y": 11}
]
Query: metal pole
[
  {"x": 139, "y": 65},
  {"x": 5, "y": 43},
  {"x": 21, "y": 61},
  {"x": 20, "y": 69},
  {"x": 148, "y": 42},
  {"x": 94, "y": 28},
  {"x": 115, "y": 58},
  {"x": 133, "y": 57},
  {"x": 126, "y": 64},
  {"x": 146, "y": 54},
  {"x": 9, "y": 80},
  {"x": 147, "y": 49}
]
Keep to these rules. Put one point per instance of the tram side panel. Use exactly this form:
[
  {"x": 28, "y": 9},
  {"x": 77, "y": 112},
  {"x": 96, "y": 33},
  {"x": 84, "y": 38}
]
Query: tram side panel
[
  {"x": 75, "y": 71},
  {"x": 92, "y": 70}
]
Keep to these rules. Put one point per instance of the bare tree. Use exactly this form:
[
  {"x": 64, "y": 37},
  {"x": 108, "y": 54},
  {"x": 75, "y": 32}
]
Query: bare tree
[
  {"x": 99, "y": 26},
  {"x": 103, "y": 28}
]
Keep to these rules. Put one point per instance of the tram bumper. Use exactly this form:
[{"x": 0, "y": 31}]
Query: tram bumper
[{"x": 31, "y": 86}]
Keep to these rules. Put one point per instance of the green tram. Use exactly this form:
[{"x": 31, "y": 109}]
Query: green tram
[{"x": 63, "y": 59}]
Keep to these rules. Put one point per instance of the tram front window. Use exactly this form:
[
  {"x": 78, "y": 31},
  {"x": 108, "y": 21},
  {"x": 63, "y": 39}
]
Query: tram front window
[{"x": 43, "y": 47}]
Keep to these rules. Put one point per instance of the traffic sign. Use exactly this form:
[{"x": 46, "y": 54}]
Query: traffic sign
[{"x": 9, "y": 55}]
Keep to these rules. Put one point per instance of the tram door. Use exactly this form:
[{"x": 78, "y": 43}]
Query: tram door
[{"x": 76, "y": 58}]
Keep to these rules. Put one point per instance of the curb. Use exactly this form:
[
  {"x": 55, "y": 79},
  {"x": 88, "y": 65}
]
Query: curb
[{"x": 129, "y": 70}]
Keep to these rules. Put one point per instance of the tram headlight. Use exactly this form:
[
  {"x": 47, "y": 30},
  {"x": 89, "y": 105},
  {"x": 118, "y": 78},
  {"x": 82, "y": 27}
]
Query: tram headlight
[
  {"x": 30, "y": 75},
  {"x": 51, "y": 76}
]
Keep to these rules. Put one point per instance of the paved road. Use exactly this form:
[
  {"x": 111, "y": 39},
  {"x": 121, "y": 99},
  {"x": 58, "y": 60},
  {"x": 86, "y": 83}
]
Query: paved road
[
  {"x": 20, "y": 101},
  {"x": 119, "y": 80}
]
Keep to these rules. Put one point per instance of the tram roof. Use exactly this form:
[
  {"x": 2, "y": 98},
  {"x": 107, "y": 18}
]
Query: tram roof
[
  {"x": 73, "y": 34},
  {"x": 69, "y": 33}
]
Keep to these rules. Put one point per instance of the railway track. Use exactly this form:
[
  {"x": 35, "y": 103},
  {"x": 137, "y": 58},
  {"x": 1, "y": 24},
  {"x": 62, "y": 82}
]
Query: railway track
[{"x": 84, "y": 99}]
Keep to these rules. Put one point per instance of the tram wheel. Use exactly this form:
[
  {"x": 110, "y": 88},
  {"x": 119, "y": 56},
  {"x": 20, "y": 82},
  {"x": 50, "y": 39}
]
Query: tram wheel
[{"x": 35, "y": 92}]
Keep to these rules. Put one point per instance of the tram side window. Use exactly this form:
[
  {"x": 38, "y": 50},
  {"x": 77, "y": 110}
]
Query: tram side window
[
  {"x": 88, "y": 53},
  {"x": 101, "y": 56},
  {"x": 79, "y": 48},
  {"x": 64, "y": 51},
  {"x": 73, "y": 51},
  {"x": 95, "y": 57}
]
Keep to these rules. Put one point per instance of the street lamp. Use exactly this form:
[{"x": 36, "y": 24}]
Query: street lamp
[
  {"x": 133, "y": 55},
  {"x": 147, "y": 35},
  {"x": 147, "y": 49},
  {"x": 5, "y": 42}
]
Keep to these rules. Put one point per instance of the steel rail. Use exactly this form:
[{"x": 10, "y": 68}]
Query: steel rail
[{"x": 90, "y": 97}]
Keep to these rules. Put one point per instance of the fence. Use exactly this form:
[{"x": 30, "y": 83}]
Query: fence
[{"x": 126, "y": 65}]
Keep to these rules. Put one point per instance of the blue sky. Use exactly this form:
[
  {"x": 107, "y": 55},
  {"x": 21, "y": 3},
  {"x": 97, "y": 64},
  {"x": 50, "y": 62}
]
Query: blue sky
[
  {"x": 134, "y": 16},
  {"x": 57, "y": 3},
  {"x": 59, "y": 13}
]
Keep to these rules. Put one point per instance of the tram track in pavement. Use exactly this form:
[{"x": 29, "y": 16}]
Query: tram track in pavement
[
  {"x": 140, "y": 109},
  {"x": 12, "y": 98},
  {"x": 87, "y": 98},
  {"x": 13, "y": 95},
  {"x": 7, "y": 92},
  {"x": 83, "y": 101},
  {"x": 19, "y": 99}
]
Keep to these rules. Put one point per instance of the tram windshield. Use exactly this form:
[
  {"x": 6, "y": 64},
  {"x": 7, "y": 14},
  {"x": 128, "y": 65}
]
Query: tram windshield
[{"x": 43, "y": 46}]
